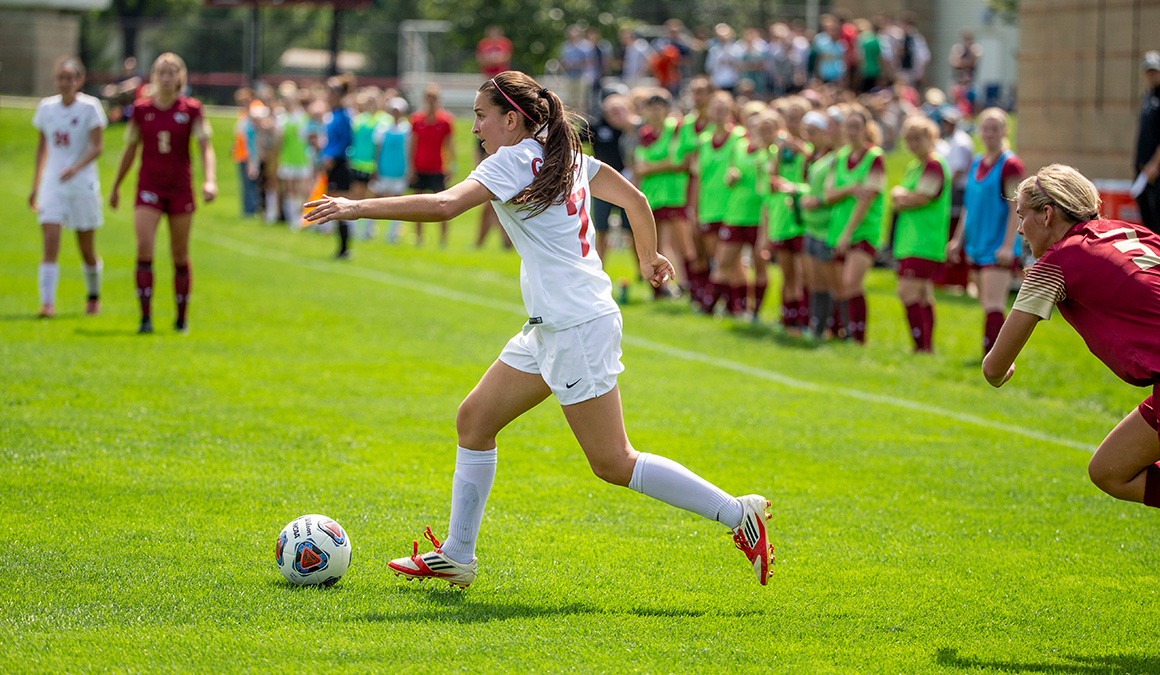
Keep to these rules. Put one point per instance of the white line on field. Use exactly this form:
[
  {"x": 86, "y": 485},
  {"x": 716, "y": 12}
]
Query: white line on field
[{"x": 685, "y": 354}]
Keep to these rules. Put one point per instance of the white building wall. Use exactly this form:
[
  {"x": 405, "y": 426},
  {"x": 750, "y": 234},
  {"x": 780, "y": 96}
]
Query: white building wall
[{"x": 999, "y": 40}]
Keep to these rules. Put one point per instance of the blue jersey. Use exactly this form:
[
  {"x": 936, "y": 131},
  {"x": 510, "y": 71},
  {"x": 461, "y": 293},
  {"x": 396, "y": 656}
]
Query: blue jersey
[
  {"x": 987, "y": 212},
  {"x": 391, "y": 137},
  {"x": 339, "y": 135}
]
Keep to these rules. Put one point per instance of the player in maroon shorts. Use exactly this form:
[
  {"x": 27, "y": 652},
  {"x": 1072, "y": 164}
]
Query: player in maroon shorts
[
  {"x": 162, "y": 126},
  {"x": 1104, "y": 275}
]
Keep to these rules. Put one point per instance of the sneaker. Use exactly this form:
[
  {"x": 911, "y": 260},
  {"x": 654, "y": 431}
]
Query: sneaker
[
  {"x": 93, "y": 307},
  {"x": 146, "y": 326},
  {"x": 434, "y": 565},
  {"x": 46, "y": 312},
  {"x": 750, "y": 537}
]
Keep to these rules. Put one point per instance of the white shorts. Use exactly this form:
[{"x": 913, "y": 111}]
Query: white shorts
[
  {"x": 304, "y": 172},
  {"x": 80, "y": 211},
  {"x": 578, "y": 363},
  {"x": 387, "y": 187}
]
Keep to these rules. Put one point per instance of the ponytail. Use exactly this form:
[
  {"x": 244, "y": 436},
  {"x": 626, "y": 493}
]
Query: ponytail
[{"x": 544, "y": 116}]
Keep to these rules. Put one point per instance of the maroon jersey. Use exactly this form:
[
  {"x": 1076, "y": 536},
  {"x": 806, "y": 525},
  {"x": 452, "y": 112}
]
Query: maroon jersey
[
  {"x": 165, "y": 138},
  {"x": 1105, "y": 277}
]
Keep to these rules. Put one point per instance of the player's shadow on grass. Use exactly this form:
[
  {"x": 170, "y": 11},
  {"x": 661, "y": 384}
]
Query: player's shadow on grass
[
  {"x": 457, "y": 607},
  {"x": 106, "y": 332},
  {"x": 761, "y": 331},
  {"x": 32, "y": 316},
  {"x": 1117, "y": 664}
]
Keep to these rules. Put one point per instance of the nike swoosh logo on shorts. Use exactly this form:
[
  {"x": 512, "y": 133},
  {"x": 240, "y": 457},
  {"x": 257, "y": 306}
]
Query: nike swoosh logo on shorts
[{"x": 569, "y": 386}]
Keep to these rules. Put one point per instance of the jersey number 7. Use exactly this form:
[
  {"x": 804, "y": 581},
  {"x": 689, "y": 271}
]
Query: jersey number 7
[
  {"x": 576, "y": 204},
  {"x": 1147, "y": 258}
]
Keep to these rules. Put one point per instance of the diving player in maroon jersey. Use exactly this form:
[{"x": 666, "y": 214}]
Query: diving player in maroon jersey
[
  {"x": 162, "y": 126},
  {"x": 1104, "y": 275}
]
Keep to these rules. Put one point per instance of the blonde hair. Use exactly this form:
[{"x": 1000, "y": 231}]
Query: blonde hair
[
  {"x": 169, "y": 59},
  {"x": 1001, "y": 116},
  {"x": 1062, "y": 186},
  {"x": 873, "y": 131},
  {"x": 921, "y": 123}
]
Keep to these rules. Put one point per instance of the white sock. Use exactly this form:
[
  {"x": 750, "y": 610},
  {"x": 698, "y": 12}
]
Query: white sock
[
  {"x": 48, "y": 276},
  {"x": 93, "y": 278},
  {"x": 673, "y": 484},
  {"x": 291, "y": 207},
  {"x": 474, "y": 473},
  {"x": 271, "y": 206}
]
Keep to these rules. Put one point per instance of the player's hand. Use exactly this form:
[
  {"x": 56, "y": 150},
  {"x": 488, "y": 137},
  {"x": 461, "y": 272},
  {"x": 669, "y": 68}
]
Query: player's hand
[
  {"x": 32, "y": 200},
  {"x": 843, "y": 244},
  {"x": 1152, "y": 171},
  {"x": 732, "y": 176},
  {"x": 68, "y": 174},
  {"x": 954, "y": 253},
  {"x": 208, "y": 191},
  {"x": 114, "y": 199},
  {"x": 1005, "y": 256},
  {"x": 811, "y": 202},
  {"x": 252, "y": 171},
  {"x": 657, "y": 271},
  {"x": 336, "y": 208}
]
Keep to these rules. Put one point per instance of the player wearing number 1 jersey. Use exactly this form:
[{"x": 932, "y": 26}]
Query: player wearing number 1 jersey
[
  {"x": 162, "y": 127},
  {"x": 1104, "y": 276},
  {"x": 541, "y": 187}
]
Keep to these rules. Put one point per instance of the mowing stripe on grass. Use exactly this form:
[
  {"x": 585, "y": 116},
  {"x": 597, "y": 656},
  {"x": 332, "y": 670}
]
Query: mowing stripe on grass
[{"x": 345, "y": 269}]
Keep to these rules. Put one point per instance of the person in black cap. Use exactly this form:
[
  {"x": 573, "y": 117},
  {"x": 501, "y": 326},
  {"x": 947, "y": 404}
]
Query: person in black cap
[{"x": 1147, "y": 160}]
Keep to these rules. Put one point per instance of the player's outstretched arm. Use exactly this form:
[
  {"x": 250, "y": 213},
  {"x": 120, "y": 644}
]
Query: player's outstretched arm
[
  {"x": 614, "y": 188},
  {"x": 425, "y": 208},
  {"x": 999, "y": 364}
]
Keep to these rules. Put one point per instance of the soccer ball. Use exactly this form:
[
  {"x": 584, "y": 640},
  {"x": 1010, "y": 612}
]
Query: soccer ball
[{"x": 312, "y": 550}]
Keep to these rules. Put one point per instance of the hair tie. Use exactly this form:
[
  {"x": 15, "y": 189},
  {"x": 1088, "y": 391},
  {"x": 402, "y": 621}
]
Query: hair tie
[
  {"x": 543, "y": 93},
  {"x": 509, "y": 100}
]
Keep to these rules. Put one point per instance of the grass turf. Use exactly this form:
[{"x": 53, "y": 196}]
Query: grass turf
[{"x": 924, "y": 523}]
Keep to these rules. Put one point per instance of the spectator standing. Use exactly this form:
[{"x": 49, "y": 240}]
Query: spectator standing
[
  {"x": 1148, "y": 144},
  {"x": 915, "y": 54},
  {"x": 722, "y": 63},
  {"x": 432, "y": 152},
  {"x": 392, "y": 137},
  {"x": 606, "y": 135},
  {"x": 754, "y": 53},
  {"x": 493, "y": 53},
  {"x": 869, "y": 73},
  {"x": 634, "y": 58},
  {"x": 339, "y": 136},
  {"x": 964, "y": 60},
  {"x": 576, "y": 59},
  {"x": 245, "y": 151},
  {"x": 780, "y": 68},
  {"x": 828, "y": 54},
  {"x": 958, "y": 149},
  {"x": 670, "y": 60}
]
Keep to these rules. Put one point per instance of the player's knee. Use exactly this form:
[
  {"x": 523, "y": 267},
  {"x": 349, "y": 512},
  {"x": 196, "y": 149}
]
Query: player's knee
[
  {"x": 616, "y": 470},
  {"x": 471, "y": 427}
]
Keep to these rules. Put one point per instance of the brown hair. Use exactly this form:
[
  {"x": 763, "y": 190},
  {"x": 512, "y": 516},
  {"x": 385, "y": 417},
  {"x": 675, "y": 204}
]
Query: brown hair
[
  {"x": 70, "y": 62},
  {"x": 554, "y": 126}
]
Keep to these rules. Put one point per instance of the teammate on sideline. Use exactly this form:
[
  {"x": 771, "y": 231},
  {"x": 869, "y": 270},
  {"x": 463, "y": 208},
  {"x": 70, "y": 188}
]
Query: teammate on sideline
[
  {"x": 162, "y": 126},
  {"x": 541, "y": 187},
  {"x": 66, "y": 189},
  {"x": 923, "y": 203},
  {"x": 857, "y": 182},
  {"x": 988, "y": 232},
  {"x": 1105, "y": 277},
  {"x": 824, "y": 276}
]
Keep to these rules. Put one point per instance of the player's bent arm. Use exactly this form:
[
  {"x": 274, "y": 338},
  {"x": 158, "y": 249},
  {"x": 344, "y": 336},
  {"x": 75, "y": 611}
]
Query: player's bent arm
[
  {"x": 999, "y": 363},
  {"x": 96, "y": 147},
  {"x": 422, "y": 208},
  {"x": 608, "y": 185}
]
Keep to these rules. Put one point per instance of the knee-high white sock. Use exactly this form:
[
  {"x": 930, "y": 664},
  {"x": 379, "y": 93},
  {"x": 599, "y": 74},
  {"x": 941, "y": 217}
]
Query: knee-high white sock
[
  {"x": 93, "y": 278},
  {"x": 474, "y": 473},
  {"x": 48, "y": 277},
  {"x": 675, "y": 485}
]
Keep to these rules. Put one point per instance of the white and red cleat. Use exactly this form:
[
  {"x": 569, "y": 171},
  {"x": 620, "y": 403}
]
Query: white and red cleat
[
  {"x": 750, "y": 537},
  {"x": 434, "y": 565},
  {"x": 46, "y": 312},
  {"x": 93, "y": 307}
]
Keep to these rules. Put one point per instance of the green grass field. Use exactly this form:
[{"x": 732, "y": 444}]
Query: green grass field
[{"x": 924, "y": 523}]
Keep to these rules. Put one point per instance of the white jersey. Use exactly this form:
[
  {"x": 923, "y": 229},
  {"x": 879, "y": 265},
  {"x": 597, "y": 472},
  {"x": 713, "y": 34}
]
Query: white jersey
[
  {"x": 561, "y": 278},
  {"x": 66, "y": 136}
]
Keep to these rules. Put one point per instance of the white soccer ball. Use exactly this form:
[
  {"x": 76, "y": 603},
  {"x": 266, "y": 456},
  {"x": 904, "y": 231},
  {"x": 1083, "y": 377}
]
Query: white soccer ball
[{"x": 312, "y": 550}]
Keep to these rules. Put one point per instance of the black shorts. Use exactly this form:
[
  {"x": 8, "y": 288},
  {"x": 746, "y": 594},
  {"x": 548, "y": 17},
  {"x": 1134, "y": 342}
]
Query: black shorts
[
  {"x": 338, "y": 178},
  {"x": 360, "y": 176},
  {"x": 429, "y": 182}
]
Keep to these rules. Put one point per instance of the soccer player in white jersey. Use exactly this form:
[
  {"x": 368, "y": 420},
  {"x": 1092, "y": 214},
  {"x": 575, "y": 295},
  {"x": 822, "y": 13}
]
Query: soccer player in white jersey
[
  {"x": 66, "y": 190},
  {"x": 542, "y": 187}
]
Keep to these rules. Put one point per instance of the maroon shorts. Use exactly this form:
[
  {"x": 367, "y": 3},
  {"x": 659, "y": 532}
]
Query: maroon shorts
[
  {"x": 864, "y": 246},
  {"x": 169, "y": 202},
  {"x": 918, "y": 268},
  {"x": 669, "y": 213},
  {"x": 738, "y": 234},
  {"x": 793, "y": 245},
  {"x": 1148, "y": 410},
  {"x": 1015, "y": 266},
  {"x": 711, "y": 228}
]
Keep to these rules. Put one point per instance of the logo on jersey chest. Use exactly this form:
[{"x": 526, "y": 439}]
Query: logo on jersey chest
[{"x": 181, "y": 118}]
